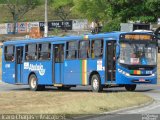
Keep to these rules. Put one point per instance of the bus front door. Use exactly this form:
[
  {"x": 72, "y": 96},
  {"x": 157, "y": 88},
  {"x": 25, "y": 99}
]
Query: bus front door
[
  {"x": 19, "y": 61},
  {"x": 58, "y": 60},
  {"x": 110, "y": 61}
]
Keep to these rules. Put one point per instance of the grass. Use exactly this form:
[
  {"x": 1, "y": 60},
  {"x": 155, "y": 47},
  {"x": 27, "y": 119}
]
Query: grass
[{"x": 67, "y": 102}]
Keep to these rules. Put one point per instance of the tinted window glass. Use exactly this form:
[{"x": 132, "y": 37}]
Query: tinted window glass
[
  {"x": 9, "y": 53},
  {"x": 84, "y": 49},
  {"x": 97, "y": 49},
  {"x": 71, "y": 52},
  {"x": 10, "y": 49},
  {"x": 59, "y": 53},
  {"x": 31, "y": 52},
  {"x": 44, "y": 51}
]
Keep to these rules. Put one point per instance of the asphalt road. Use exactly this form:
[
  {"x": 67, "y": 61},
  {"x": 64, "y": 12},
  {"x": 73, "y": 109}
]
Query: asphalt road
[{"x": 149, "y": 112}]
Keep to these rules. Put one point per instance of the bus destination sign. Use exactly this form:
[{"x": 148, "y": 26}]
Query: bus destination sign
[{"x": 137, "y": 37}]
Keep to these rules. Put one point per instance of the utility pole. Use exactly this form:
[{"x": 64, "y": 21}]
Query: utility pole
[{"x": 46, "y": 20}]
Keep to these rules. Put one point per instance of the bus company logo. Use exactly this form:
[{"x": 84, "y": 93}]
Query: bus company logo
[
  {"x": 35, "y": 67},
  {"x": 26, "y": 65}
]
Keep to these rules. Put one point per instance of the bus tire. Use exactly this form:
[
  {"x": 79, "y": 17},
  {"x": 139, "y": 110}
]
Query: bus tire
[
  {"x": 96, "y": 83},
  {"x": 130, "y": 87},
  {"x": 33, "y": 83}
]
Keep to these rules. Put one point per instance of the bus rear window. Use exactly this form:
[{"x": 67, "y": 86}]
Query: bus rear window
[
  {"x": 9, "y": 53},
  {"x": 44, "y": 51},
  {"x": 31, "y": 52}
]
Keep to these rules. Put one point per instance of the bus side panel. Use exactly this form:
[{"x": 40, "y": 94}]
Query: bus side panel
[
  {"x": 8, "y": 72},
  {"x": 122, "y": 78},
  {"x": 96, "y": 65},
  {"x": 8, "y": 75},
  {"x": 72, "y": 72},
  {"x": 102, "y": 76},
  {"x": 42, "y": 69},
  {"x": 77, "y": 72}
]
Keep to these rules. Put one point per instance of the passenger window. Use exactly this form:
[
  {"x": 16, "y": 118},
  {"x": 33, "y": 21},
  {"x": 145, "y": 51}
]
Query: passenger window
[
  {"x": 31, "y": 52},
  {"x": 71, "y": 50},
  {"x": 44, "y": 51},
  {"x": 84, "y": 50},
  {"x": 9, "y": 53},
  {"x": 97, "y": 49}
]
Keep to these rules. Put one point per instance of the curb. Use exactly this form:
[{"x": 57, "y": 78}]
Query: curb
[{"x": 112, "y": 112}]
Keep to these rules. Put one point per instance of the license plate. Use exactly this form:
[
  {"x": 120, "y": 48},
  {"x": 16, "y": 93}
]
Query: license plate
[{"x": 141, "y": 80}]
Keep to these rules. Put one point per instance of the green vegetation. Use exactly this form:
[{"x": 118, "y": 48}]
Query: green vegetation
[
  {"x": 18, "y": 8},
  {"x": 109, "y": 12},
  {"x": 32, "y": 15},
  {"x": 36, "y": 14},
  {"x": 56, "y": 102},
  {"x": 113, "y": 12}
]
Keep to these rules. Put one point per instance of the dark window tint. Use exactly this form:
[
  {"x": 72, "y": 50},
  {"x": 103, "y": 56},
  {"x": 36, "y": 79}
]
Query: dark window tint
[
  {"x": 31, "y": 52},
  {"x": 71, "y": 51},
  {"x": 59, "y": 53},
  {"x": 44, "y": 51},
  {"x": 9, "y": 53},
  {"x": 84, "y": 49},
  {"x": 97, "y": 49},
  {"x": 19, "y": 55}
]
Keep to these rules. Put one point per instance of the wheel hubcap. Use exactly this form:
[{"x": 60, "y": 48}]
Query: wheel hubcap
[
  {"x": 95, "y": 83},
  {"x": 33, "y": 83}
]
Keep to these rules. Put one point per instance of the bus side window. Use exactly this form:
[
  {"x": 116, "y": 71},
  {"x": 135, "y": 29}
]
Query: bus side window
[
  {"x": 71, "y": 50},
  {"x": 31, "y": 52},
  {"x": 84, "y": 51},
  {"x": 9, "y": 53},
  {"x": 44, "y": 51},
  {"x": 97, "y": 49}
]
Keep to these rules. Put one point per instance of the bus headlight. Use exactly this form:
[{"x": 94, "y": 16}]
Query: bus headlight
[
  {"x": 127, "y": 74},
  {"x": 153, "y": 75}
]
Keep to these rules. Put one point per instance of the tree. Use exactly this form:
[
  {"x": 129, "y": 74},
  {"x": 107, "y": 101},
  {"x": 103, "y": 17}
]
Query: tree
[
  {"x": 143, "y": 10},
  {"x": 18, "y": 8},
  {"x": 93, "y": 10},
  {"x": 62, "y": 8},
  {"x": 113, "y": 12}
]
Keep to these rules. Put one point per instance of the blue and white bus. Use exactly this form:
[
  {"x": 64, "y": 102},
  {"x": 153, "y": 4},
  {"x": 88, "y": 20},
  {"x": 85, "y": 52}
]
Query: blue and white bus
[{"x": 100, "y": 60}]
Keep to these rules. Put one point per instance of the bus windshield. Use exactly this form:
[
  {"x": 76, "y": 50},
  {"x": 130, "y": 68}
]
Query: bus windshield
[{"x": 138, "y": 54}]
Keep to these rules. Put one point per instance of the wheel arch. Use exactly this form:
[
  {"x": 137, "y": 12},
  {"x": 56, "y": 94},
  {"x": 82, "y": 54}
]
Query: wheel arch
[
  {"x": 91, "y": 74},
  {"x": 31, "y": 73}
]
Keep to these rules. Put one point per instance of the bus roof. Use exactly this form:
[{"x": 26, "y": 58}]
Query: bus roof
[{"x": 112, "y": 35}]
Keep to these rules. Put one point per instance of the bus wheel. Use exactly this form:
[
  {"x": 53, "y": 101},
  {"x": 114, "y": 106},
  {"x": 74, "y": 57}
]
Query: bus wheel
[
  {"x": 33, "y": 83},
  {"x": 130, "y": 87},
  {"x": 96, "y": 83}
]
